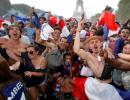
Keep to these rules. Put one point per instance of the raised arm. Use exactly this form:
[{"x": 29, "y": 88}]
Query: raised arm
[
  {"x": 47, "y": 44},
  {"x": 124, "y": 56},
  {"x": 119, "y": 64},
  {"x": 92, "y": 63}
]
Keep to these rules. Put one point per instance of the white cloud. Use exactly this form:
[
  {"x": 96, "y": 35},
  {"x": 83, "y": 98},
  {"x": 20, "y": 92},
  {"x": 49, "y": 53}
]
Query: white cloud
[{"x": 66, "y": 7}]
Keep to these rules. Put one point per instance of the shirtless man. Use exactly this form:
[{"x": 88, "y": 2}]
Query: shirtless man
[{"x": 12, "y": 47}]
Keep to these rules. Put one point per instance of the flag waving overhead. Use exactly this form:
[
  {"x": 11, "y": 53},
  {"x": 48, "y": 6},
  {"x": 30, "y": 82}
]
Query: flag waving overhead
[
  {"x": 108, "y": 18},
  {"x": 107, "y": 21},
  {"x": 18, "y": 18}
]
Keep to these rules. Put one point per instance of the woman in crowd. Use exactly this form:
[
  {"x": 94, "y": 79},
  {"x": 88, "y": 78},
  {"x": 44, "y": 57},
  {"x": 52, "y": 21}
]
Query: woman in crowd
[{"x": 34, "y": 70}]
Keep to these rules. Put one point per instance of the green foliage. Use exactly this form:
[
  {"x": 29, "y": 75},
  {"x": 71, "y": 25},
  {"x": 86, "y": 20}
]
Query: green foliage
[
  {"x": 22, "y": 7},
  {"x": 123, "y": 12},
  {"x": 95, "y": 17}
]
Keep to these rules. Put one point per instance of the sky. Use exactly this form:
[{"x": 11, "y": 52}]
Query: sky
[{"x": 66, "y": 7}]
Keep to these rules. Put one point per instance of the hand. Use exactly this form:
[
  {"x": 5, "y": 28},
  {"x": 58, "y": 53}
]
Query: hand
[
  {"x": 20, "y": 50},
  {"x": 80, "y": 25},
  {"x": 28, "y": 73},
  {"x": 110, "y": 55},
  {"x": 104, "y": 54}
]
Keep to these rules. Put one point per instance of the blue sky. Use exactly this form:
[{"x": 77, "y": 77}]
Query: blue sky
[{"x": 66, "y": 7}]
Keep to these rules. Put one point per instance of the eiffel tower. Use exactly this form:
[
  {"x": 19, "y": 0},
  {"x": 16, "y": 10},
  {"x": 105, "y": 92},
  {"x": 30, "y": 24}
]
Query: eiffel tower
[{"x": 77, "y": 14}]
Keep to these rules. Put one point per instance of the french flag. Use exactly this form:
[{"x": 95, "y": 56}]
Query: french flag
[
  {"x": 47, "y": 28},
  {"x": 15, "y": 18},
  {"x": 61, "y": 23},
  {"x": 110, "y": 27}
]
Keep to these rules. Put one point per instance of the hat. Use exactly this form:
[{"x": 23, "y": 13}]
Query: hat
[
  {"x": 83, "y": 34},
  {"x": 93, "y": 38}
]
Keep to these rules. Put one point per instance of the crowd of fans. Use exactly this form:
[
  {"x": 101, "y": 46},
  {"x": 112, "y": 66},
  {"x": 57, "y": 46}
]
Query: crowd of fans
[{"x": 64, "y": 67}]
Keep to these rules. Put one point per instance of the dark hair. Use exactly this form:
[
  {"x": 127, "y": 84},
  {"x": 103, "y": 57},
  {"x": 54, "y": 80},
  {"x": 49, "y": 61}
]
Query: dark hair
[
  {"x": 128, "y": 21},
  {"x": 42, "y": 18},
  {"x": 118, "y": 23},
  {"x": 4, "y": 24},
  {"x": 5, "y": 73},
  {"x": 108, "y": 8},
  {"x": 126, "y": 43},
  {"x": 57, "y": 28},
  {"x": 34, "y": 46},
  {"x": 125, "y": 28},
  {"x": 99, "y": 32},
  {"x": 66, "y": 54},
  {"x": 21, "y": 23},
  {"x": 94, "y": 28}
]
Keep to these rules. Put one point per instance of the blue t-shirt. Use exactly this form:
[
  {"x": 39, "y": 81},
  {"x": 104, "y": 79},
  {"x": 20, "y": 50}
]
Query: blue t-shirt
[{"x": 14, "y": 91}]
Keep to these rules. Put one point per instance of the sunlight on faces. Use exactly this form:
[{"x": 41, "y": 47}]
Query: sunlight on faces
[
  {"x": 63, "y": 43},
  {"x": 14, "y": 32},
  {"x": 56, "y": 34},
  {"x": 95, "y": 45}
]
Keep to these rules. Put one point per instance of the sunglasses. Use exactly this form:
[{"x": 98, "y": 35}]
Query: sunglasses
[{"x": 31, "y": 52}]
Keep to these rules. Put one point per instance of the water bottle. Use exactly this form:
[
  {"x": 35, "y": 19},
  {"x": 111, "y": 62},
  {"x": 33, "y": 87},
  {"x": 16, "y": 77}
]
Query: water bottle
[{"x": 126, "y": 80}]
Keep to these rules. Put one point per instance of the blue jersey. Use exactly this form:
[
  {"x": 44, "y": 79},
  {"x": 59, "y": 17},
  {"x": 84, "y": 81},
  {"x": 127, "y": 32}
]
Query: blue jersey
[{"x": 14, "y": 91}]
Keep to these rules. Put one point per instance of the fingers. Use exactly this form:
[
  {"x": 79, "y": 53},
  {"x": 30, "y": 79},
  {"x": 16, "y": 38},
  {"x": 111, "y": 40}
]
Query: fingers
[{"x": 28, "y": 74}]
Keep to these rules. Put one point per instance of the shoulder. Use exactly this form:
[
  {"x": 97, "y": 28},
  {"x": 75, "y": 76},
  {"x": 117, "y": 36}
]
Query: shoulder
[
  {"x": 25, "y": 39},
  {"x": 43, "y": 61},
  {"x": 3, "y": 40}
]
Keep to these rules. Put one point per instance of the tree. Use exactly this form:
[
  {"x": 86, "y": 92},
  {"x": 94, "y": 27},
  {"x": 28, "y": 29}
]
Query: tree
[
  {"x": 22, "y": 7},
  {"x": 95, "y": 17},
  {"x": 123, "y": 12}
]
